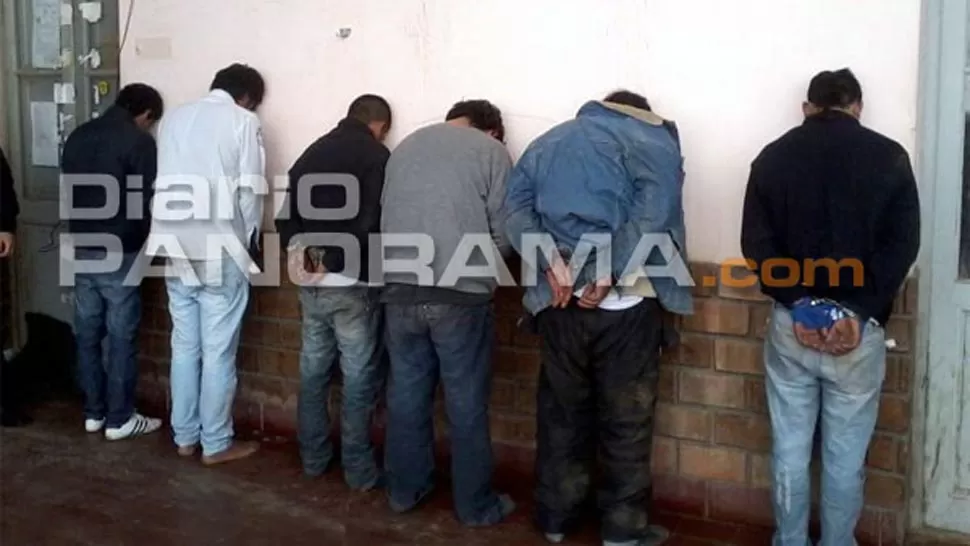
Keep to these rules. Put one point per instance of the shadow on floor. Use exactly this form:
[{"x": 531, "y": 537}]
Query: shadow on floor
[{"x": 60, "y": 486}]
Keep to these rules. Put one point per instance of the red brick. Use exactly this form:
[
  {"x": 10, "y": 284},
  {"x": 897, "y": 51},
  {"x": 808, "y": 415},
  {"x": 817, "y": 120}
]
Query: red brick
[
  {"x": 503, "y": 394},
  {"x": 516, "y": 363},
  {"x": 740, "y": 504},
  {"x": 694, "y": 350},
  {"x": 667, "y": 385},
  {"x": 711, "y": 389},
  {"x": 739, "y": 283},
  {"x": 748, "y": 431},
  {"x": 278, "y": 303},
  {"x": 663, "y": 459},
  {"x": 680, "y": 495},
  {"x": 899, "y": 374},
  {"x": 705, "y": 276},
  {"x": 901, "y": 330},
  {"x": 523, "y": 339},
  {"x": 893, "y": 414},
  {"x": 755, "y": 398},
  {"x": 738, "y": 355},
  {"x": 760, "y": 317},
  {"x": 247, "y": 359},
  {"x": 692, "y": 423},
  {"x": 885, "y": 491},
  {"x": 712, "y": 463},
  {"x": 504, "y": 325},
  {"x": 882, "y": 453},
  {"x": 716, "y": 316},
  {"x": 902, "y": 459},
  {"x": 867, "y": 531},
  {"x": 291, "y": 334},
  {"x": 760, "y": 470},
  {"x": 891, "y": 526},
  {"x": 513, "y": 429},
  {"x": 525, "y": 398},
  {"x": 911, "y": 297}
]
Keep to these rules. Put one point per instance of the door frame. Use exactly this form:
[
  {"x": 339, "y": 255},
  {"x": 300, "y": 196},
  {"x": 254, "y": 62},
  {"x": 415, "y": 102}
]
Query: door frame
[{"x": 934, "y": 156}]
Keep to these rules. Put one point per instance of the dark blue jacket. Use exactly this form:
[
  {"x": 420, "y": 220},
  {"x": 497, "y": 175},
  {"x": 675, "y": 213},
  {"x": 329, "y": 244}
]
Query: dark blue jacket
[{"x": 111, "y": 147}]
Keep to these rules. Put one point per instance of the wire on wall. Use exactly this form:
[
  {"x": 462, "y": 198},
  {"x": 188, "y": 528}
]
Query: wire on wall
[{"x": 124, "y": 35}]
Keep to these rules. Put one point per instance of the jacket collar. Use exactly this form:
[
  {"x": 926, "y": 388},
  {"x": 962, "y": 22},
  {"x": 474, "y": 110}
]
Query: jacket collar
[
  {"x": 642, "y": 115},
  {"x": 117, "y": 113},
  {"x": 355, "y": 125},
  {"x": 220, "y": 96},
  {"x": 832, "y": 116}
]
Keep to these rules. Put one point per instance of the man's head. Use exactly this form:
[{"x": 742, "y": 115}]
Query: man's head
[
  {"x": 142, "y": 102},
  {"x": 479, "y": 114},
  {"x": 838, "y": 90},
  {"x": 628, "y": 98},
  {"x": 243, "y": 83},
  {"x": 374, "y": 112}
]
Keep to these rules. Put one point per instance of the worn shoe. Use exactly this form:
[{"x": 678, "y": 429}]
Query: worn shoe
[
  {"x": 137, "y": 425},
  {"x": 656, "y": 535},
  {"x": 187, "y": 451},
  {"x": 555, "y": 538},
  {"x": 236, "y": 451},
  {"x": 93, "y": 425}
]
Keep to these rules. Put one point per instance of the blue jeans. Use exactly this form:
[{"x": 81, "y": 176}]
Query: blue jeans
[
  {"x": 425, "y": 342},
  {"x": 801, "y": 383},
  {"x": 206, "y": 320},
  {"x": 348, "y": 320},
  {"x": 105, "y": 307}
]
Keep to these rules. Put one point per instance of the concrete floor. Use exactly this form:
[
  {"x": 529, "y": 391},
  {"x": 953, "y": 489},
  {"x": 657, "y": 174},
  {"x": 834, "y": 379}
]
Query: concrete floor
[{"x": 61, "y": 486}]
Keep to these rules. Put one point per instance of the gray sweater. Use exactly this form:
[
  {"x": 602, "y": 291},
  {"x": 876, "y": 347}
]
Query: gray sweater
[{"x": 446, "y": 182}]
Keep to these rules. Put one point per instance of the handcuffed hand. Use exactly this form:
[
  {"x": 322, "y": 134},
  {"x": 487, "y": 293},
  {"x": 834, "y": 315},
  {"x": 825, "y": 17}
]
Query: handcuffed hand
[{"x": 593, "y": 294}]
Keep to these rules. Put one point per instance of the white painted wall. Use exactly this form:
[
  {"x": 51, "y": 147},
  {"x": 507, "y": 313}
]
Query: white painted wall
[{"x": 731, "y": 73}]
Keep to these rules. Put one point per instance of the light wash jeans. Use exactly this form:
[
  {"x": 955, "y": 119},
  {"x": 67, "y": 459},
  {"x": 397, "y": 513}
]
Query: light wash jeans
[
  {"x": 801, "y": 384},
  {"x": 206, "y": 322},
  {"x": 345, "y": 319}
]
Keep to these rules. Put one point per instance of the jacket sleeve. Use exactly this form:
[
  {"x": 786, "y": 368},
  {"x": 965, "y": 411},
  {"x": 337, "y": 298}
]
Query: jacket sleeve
[
  {"x": 658, "y": 206},
  {"x": 500, "y": 165},
  {"x": 9, "y": 207},
  {"x": 143, "y": 162},
  {"x": 897, "y": 246},
  {"x": 252, "y": 170},
  {"x": 759, "y": 241},
  {"x": 521, "y": 218},
  {"x": 371, "y": 188}
]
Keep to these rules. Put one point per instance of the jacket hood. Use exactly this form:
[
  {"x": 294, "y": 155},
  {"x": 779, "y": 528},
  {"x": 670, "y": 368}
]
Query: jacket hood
[{"x": 643, "y": 115}]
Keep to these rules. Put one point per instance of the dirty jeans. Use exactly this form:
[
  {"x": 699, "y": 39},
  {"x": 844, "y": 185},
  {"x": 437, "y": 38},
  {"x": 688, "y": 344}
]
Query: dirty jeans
[
  {"x": 597, "y": 395},
  {"x": 800, "y": 383},
  {"x": 453, "y": 342},
  {"x": 207, "y": 308},
  {"x": 345, "y": 319},
  {"x": 105, "y": 306}
]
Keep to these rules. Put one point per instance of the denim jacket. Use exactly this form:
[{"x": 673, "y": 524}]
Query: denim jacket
[{"x": 612, "y": 171}]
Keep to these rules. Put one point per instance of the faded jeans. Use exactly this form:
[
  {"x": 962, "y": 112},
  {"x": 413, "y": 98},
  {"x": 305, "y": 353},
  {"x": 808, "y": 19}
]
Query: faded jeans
[
  {"x": 345, "y": 319},
  {"x": 802, "y": 383},
  {"x": 105, "y": 307},
  {"x": 207, "y": 310},
  {"x": 454, "y": 343}
]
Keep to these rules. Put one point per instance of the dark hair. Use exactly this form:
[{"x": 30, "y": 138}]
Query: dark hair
[
  {"x": 629, "y": 98},
  {"x": 370, "y": 108},
  {"x": 481, "y": 114},
  {"x": 138, "y": 98},
  {"x": 240, "y": 80},
  {"x": 834, "y": 89}
]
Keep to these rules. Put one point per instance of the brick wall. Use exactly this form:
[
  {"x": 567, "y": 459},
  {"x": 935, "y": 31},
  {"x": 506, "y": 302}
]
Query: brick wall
[{"x": 711, "y": 454}]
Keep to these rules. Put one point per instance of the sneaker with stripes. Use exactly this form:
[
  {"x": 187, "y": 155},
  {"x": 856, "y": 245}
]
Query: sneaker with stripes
[{"x": 137, "y": 425}]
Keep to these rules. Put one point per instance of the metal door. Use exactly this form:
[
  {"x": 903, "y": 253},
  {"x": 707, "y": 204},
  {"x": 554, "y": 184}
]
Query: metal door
[{"x": 61, "y": 68}]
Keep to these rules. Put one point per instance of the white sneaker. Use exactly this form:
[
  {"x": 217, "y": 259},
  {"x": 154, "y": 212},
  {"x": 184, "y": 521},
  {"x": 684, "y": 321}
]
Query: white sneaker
[
  {"x": 93, "y": 425},
  {"x": 136, "y": 426}
]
